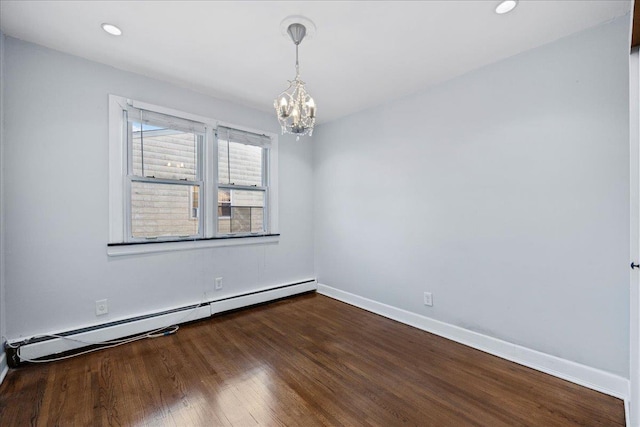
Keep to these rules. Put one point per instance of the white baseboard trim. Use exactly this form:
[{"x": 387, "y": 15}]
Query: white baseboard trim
[
  {"x": 627, "y": 413},
  {"x": 4, "y": 368},
  {"x": 583, "y": 375},
  {"x": 137, "y": 326}
]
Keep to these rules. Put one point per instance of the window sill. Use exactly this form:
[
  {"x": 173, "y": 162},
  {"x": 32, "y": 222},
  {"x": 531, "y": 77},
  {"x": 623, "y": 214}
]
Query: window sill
[{"x": 120, "y": 249}]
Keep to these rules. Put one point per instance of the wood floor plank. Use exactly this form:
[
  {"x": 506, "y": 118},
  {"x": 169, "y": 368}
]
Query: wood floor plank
[{"x": 302, "y": 361}]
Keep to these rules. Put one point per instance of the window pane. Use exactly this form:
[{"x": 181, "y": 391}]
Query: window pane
[
  {"x": 163, "y": 210},
  {"x": 163, "y": 153},
  {"x": 246, "y": 211},
  {"x": 195, "y": 202},
  {"x": 239, "y": 164},
  {"x": 224, "y": 203}
]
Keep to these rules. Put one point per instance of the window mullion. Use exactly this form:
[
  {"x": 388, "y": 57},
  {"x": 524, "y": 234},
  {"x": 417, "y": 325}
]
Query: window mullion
[
  {"x": 265, "y": 183},
  {"x": 210, "y": 157},
  {"x": 202, "y": 212}
]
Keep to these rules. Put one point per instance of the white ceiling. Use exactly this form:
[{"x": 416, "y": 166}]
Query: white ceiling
[{"x": 363, "y": 54}]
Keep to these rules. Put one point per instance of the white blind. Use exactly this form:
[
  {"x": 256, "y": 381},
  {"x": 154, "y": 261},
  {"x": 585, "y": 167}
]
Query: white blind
[
  {"x": 242, "y": 137},
  {"x": 165, "y": 121}
]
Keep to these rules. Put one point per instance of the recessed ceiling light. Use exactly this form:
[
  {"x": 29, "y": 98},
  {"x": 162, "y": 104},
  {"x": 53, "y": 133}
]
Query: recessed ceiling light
[
  {"x": 112, "y": 29},
  {"x": 506, "y": 6}
]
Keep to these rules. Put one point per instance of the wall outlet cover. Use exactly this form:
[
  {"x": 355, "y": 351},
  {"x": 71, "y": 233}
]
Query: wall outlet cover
[
  {"x": 102, "y": 307},
  {"x": 428, "y": 299}
]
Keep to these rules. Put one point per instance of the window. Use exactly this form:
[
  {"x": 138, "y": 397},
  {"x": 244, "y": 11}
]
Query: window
[
  {"x": 163, "y": 175},
  {"x": 241, "y": 181},
  {"x": 175, "y": 176}
]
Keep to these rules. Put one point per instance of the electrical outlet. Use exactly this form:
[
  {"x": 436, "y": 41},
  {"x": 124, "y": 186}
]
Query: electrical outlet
[
  {"x": 102, "y": 307},
  {"x": 218, "y": 283},
  {"x": 428, "y": 299}
]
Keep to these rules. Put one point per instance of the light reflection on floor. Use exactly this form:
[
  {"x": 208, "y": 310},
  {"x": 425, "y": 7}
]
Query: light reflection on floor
[{"x": 243, "y": 400}]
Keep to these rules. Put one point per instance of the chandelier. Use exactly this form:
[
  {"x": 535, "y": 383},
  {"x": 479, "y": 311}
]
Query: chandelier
[{"x": 295, "y": 108}]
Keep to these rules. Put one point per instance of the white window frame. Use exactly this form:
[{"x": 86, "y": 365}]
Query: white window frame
[
  {"x": 131, "y": 178},
  {"x": 264, "y": 188},
  {"x": 121, "y": 244}
]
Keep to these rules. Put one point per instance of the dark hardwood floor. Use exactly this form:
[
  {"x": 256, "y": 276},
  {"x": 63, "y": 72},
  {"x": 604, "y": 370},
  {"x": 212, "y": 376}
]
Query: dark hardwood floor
[{"x": 304, "y": 361}]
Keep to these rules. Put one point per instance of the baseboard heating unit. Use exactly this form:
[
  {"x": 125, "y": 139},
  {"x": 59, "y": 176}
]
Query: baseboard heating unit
[{"x": 67, "y": 341}]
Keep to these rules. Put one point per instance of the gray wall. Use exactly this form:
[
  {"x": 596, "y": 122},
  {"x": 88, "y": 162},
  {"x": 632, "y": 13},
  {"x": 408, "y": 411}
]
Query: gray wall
[
  {"x": 504, "y": 192},
  {"x": 56, "y": 201}
]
